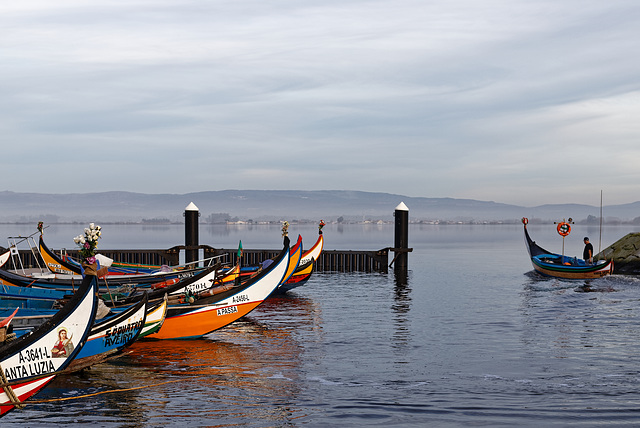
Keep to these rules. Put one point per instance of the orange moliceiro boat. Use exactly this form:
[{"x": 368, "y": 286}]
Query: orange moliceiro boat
[{"x": 207, "y": 314}]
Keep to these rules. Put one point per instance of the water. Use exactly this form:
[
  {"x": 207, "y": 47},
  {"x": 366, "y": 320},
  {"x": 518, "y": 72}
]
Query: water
[{"x": 472, "y": 337}]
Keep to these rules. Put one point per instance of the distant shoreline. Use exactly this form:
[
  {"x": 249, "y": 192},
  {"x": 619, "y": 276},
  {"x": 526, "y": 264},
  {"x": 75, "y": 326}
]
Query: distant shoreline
[{"x": 610, "y": 222}]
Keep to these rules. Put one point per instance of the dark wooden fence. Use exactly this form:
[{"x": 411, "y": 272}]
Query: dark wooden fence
[{"x": 329, "y": 261}]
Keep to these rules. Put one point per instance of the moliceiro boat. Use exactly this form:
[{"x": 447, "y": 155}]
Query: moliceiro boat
[
  {"x": 30, "y": 362},
  {"x": 560, "y": 266},
  {"x": 206, "y": 311}
]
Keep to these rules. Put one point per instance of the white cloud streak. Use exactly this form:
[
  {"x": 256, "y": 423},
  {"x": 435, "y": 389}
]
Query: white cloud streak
[{"x": 513, "y": 101}]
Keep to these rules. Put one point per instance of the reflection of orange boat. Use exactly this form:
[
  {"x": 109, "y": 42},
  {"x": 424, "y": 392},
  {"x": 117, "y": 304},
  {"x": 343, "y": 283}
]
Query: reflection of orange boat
[
  {"x": 243, "y": 373},
  {"x": 227, "y": 375},
  {"x": 247, "y": 348}
]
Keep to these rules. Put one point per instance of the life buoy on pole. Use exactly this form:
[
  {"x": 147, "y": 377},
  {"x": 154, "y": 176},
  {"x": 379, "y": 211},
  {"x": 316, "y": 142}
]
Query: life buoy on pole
[{"x": 564, "y": 228}]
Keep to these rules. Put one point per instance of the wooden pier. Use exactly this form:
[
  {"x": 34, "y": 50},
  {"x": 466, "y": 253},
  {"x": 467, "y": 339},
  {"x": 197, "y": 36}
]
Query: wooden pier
[{"x": 329, "y": 261}]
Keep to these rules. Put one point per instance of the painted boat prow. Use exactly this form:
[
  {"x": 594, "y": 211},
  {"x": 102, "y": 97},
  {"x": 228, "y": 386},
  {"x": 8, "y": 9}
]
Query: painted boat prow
[
  {"x": 25, "y": 377},
  {"x": 113, "y": 334},
  {"x": 4, "y": 257},
  {"x": 155, "y": 318},
  {"x": 294, "y": 259},
  {"x": 5, "y": 322},
  {"x": 314, "y": 252},
  {"x": 55, "y": 263}
]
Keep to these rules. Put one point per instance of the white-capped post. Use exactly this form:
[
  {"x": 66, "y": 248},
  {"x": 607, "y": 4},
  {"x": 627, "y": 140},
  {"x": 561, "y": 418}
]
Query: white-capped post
[
  {"x": 401, "y": 243},
  {"x": 191, "y": 214}
]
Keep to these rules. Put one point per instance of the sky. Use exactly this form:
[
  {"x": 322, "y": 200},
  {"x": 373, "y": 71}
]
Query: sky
[{"x": 516, "y": 101}]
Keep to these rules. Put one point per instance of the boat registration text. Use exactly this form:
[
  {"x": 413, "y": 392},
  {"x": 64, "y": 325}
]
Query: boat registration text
[{"x": 228, "y": 310}]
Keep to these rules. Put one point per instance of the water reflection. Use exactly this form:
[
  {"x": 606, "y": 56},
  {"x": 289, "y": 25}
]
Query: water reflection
[
  {"x": 401, "y": 306},
  {"x": 88, "y": 383},
  {"x": 247, "y": 372},
  {"x": 240, "y": 379}
]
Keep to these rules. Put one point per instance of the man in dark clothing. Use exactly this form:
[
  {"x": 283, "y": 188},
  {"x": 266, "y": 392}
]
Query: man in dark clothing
[{"x": 587, "y": 254}]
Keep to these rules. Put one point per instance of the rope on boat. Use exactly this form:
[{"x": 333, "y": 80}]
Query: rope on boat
[
  {"x": 71, "y": 369},
  {"x": 13, "y": 398},
  {"x": 53, "y": 400}
]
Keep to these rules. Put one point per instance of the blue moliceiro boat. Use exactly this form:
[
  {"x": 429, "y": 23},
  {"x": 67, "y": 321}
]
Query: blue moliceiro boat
[{"x": 559, "y": 266}]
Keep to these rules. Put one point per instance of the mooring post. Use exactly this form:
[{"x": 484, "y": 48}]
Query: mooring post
[
  {"x": 401, "y": 244},
  {"x": 191, "y": 214}
]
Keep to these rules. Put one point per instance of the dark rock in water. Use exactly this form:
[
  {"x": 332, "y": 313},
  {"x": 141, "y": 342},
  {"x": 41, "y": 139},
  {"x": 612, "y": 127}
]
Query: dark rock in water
[
  {"x": 587, "y": 288},
  {"x": 625, "y": 254}
]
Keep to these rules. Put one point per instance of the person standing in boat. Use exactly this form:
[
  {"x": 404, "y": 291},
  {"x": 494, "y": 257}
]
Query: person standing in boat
[{"x": 587, "y": 254}]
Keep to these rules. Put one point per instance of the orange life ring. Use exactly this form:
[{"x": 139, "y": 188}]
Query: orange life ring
[{"x": 564, "y": 228}]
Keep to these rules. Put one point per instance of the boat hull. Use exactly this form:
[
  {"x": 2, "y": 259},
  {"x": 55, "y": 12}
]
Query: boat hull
[
  {"x": 571, "y": 272},
  {"x": 198, "y": 322},
  {"x": 23, "y": 391},
  {"x": 299, "y": 277},
  {"x": 112, "y": 335}
]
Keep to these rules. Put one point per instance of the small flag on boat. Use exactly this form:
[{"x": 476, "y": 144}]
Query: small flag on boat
[{"x": 240, "y": 250}]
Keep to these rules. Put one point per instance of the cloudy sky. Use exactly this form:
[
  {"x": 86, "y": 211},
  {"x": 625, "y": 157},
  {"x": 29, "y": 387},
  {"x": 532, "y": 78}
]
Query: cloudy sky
[{"x": 515, "y": 101}]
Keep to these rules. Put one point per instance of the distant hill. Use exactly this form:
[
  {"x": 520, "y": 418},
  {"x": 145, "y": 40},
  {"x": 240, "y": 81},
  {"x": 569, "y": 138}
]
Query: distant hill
[{"x": 269, "y": 205}]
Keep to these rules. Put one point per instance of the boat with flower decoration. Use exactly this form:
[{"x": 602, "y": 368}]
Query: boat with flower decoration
[
  {"x": 560, "y": 266},
  {"x": 204, "y": 303},
  {"x": 35, "y": 301},
  {"x": 61, "y": 264},
  {"x": 90, "y": 262},
  {"x": 64, "y": 265}
]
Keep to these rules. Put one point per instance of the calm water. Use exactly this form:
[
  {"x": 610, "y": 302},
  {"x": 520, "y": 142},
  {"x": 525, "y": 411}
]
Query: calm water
[{"x": 471, "y": 338}]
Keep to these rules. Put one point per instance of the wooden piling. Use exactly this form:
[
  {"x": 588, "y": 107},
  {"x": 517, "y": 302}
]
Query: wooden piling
[
  {"x": 191, "y": 214},
  {"x": 401, "y": 238}
]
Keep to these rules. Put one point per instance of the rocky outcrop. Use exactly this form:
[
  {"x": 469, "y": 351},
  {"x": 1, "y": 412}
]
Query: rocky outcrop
[{"x": 625, "y": 254}]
